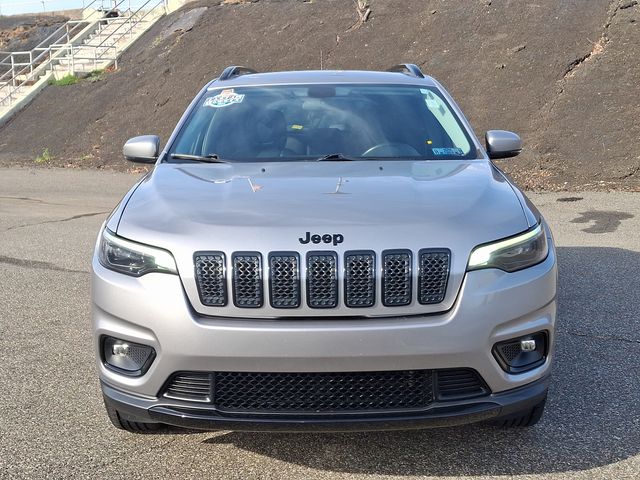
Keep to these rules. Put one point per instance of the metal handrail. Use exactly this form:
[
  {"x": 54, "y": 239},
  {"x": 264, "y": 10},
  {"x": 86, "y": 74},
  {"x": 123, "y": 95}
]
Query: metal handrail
[
  {"x": 55, "y": 49},
  {"x": 100, "y": 56},
  {"x": 158, "y": 2},
  {"x": 63, "y": 27}
]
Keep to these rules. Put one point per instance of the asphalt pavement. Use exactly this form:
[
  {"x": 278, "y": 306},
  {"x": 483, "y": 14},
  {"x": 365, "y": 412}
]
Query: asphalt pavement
[{"x": 53, "y": 425}]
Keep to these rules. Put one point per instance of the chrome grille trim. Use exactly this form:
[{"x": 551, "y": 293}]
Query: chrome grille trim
[
  {"x": 247, "y": 279},
  {"x": 211, "y": 278},
  {"x": 433, "y": 274},
  {"x": 284, "y": 279},
  {"x": 359, "y": 278},
  {"x": 322, "y": 279},
  {"x": 396, "y": 277}
]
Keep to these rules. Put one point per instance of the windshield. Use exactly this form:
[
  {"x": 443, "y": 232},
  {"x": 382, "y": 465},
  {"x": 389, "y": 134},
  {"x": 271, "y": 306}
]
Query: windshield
[{"x": 309, "y": 122}]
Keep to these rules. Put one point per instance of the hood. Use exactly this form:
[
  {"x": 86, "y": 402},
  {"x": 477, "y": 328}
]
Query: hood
[
  {"x": 436, "y": 199},
  {"x": 359, "y": 205}
]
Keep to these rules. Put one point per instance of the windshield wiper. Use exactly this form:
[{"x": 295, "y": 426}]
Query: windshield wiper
[
  {"x": 335, "y": 157},
  {"x": 211, "y": 158}
]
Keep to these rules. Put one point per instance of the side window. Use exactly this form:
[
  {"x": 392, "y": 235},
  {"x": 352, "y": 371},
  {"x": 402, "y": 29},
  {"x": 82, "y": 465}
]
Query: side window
[{"x": 446, "y": 119}]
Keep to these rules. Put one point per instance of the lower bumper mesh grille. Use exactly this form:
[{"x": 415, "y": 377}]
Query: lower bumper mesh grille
[
  {"x": 322, "y": 392},
  {"x": 325, "y": 392}
]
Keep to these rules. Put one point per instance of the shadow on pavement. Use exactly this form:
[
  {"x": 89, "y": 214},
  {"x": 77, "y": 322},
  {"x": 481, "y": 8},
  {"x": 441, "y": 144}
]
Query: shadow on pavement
[{"x": 593, "y": 413}]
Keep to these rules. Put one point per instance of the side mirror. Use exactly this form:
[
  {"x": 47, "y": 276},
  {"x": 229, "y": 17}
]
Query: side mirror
[
  {"x": 502, "y": 144},
  {"x": 143, "y": 149}
]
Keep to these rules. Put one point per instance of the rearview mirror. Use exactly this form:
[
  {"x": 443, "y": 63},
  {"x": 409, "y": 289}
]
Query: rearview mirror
[
  {"x": 143, "y": 149},
  {"x": 502, "y": 144}
]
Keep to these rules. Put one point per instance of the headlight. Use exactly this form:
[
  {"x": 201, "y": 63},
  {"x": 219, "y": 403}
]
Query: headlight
[
  {"x": 133, "y": 258},
  {"x": 512, "y": 254}
]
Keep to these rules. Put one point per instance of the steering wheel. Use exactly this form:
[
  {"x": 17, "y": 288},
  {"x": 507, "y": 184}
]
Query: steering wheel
[{"x": 391, "y": 149}]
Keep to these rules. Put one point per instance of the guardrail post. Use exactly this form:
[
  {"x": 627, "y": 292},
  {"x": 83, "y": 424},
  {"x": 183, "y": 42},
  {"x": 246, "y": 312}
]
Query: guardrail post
[{"x": 13, "y": 71}]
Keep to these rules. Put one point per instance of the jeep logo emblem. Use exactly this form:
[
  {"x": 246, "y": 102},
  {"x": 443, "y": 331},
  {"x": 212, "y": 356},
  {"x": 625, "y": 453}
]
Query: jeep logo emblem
[{"x": 335, "y": 238}]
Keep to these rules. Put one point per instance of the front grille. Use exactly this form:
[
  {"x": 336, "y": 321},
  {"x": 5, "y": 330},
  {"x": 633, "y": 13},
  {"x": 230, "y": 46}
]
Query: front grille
[
  {"x": 322, "y": 280},
  {"x": 210, "y": 278},
  {"x": 322, "y": 392},
  {"x": 359, "y": 279},
  {"x": 358, "y": 271},
  {"x": 247, "y": 279},
  {"x": 396, "y": 278},
  {"x": 284, "y": 280},
  {"x": 433, "y": 275}
]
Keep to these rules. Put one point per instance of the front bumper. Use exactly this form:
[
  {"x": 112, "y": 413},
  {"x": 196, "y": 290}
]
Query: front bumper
[
  {"x": 490, "y": 407},
  {"x": 492, "y": 306}
]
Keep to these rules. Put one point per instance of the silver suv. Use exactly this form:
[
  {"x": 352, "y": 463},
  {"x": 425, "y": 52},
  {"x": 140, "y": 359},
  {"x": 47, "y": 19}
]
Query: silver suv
[{"x": 324, "y": 250}]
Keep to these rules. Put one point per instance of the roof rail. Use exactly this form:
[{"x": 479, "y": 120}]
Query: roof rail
[
  {"x": 407, "y": 69},
  {"x": 235, "y": 71}
]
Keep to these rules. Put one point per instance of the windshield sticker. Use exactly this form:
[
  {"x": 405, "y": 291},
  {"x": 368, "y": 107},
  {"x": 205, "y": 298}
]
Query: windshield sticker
[
  {"x": 431, "y": 104},
  {"x": 224, "y": 99},
  {"x": 448, "y": 151}
]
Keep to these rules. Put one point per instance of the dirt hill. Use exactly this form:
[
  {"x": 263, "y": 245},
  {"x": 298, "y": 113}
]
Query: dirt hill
[
  {"x": 23, "y": 32},
  {"x": 564, "y": 74}
]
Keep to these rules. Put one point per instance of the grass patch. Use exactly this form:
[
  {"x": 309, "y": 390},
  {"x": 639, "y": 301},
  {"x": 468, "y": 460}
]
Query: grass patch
[
  {"x": 64, "y": 81},
  {"x": 44, "y": 157},
  {"x": 95, "y": 75}
]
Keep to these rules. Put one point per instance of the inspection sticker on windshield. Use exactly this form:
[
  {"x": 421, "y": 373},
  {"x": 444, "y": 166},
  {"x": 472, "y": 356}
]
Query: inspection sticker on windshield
[
  {"x": 448, "y": 151},
  {"x": 224, "y": 99}
]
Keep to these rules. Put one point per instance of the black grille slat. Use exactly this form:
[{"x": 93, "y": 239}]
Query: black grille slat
[
  {"x": 247, "y": 279},
  {"x": 284, "y": 279},
  {"x": 396, "y": 278},
  {"x": 459, "y": 383},
  {"x": 190, "y": 387},
  {"x": 322, "y": 279},
  {"x": 359, "y": 279},
  {"x": 322, "y": 392},
  {"x": 433, "y": 275},
  {"x": 211, "y": 278}
]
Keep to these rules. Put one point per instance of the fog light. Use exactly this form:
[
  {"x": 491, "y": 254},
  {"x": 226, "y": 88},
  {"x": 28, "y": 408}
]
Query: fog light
[
  {"x": 527, "y": 345},
  {"x": 521, "y": 354},
  {"x": 127, "y": 357},
  {"x": 120, "y": 349}
]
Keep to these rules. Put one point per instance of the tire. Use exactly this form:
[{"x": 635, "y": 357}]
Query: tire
[
  {"x": 523, "y": 419},
  {"x": 130, "y": 425}
]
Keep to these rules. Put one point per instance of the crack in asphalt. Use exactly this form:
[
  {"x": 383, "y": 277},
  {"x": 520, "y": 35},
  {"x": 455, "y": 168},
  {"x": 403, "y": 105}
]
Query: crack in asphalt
[
  {"x": 67, "y": 219},
  {"x": 19, "y": 262},
  {"x": 601, "y": 337},
  {"x": 29, "y": 199}
]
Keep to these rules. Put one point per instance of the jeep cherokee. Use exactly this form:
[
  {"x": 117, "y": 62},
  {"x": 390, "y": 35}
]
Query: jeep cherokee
[{"x": 323, "y": 250}]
